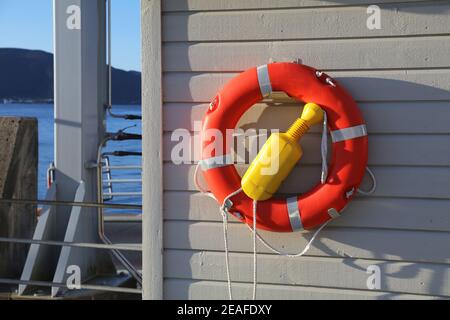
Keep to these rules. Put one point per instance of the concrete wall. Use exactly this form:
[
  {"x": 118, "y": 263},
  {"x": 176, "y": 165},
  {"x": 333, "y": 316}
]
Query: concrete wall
[
  {"x": 18, "y": 180},
  {"x": 400, "y": 77}
]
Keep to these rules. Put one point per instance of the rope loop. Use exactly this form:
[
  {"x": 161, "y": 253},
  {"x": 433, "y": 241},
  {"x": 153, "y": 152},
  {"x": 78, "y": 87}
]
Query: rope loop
[
  {"x": 198, "y": 185},
  {"x": 374, "y": 184}
]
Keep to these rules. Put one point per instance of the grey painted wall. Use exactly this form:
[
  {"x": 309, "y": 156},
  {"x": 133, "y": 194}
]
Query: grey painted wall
[{"x": 400, "y": 77}]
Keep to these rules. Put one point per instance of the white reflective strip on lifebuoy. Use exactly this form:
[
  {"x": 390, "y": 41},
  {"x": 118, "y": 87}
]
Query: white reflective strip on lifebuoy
[
  {"x": 333, "y": 213},
  {"x": 264, "y": 80},
  {"x": 294, "y": 214},
  {"x": 349, "y": 133},
  {"x": 216, "y": 162}
]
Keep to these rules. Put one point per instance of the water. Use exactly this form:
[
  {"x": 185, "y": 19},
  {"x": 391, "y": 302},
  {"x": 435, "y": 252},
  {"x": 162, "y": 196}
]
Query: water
[{"x": 44, "y": 114}]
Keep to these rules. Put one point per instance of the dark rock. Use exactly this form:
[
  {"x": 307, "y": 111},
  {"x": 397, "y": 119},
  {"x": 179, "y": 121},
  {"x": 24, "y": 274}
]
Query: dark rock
[{"x": 18, "y": 180}]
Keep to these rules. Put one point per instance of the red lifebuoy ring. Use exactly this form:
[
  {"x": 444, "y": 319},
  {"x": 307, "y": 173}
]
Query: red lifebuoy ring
[{"x": 349, "y": 154}]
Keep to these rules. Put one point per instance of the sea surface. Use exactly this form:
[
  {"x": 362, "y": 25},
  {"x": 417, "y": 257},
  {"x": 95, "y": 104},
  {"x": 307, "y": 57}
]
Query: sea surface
[{"x": 44, "y": 114}]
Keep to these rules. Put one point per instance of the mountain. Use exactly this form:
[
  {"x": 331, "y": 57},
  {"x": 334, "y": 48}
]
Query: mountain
[{"x": 27, "y": 75}]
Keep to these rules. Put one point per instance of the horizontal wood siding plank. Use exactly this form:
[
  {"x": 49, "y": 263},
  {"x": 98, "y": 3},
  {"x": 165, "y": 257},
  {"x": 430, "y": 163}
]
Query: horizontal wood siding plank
[
  {"x": 176, "y": 289},
  {"x": 346, "y": 22},
  {"x": 395, "y": 53},
  {"x": 403, "y": 117},
  {"x": 428, "y": 150},
  {"x": 378, "y": 244},
  {"x": 346, "y": 273},
  {"x": 410, "y": 182},
  {"x": 414, "y": 85},
  {"x": 208, "y": 5},
  {"x": 367, "y": 212}
]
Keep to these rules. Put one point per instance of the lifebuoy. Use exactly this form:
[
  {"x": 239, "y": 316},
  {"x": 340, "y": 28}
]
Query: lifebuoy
[{"x": 349, "y": 149}]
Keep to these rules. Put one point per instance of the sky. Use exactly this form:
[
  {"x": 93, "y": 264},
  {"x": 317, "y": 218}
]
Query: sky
[{"x": 28, "y": 24}]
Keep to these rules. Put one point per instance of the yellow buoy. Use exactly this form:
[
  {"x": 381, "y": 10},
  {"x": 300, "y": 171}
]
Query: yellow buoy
[{"x": 278, "y": 156}]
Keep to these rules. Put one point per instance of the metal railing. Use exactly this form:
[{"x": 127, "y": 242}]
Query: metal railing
[
  {"x": 72, "y": 204},
  {"x": 109, "y": 191},
  {"x": 122, "y": 194},
  {"x": 124, "y": 167},
  {"x": 122, "y": 181},
  {"x": 99, "y": 246},
  {"x": 109, "y": 182},
  {"x": 121, "y": 135},
  {"x": 72, "y": 244},
  {"x": 109, "y": 185},
  {"x": 109, "y": 79},
  {"x": 104, "y": 168},
  {"x": 62, "y": 285}
]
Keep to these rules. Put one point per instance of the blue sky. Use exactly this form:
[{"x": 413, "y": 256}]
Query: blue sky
[{"x": 28, "y": 24}]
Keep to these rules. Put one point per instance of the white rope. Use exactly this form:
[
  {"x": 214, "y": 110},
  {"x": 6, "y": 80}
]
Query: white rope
[
  {"x": 294, "y": 255},
  {"x": 199, "y": 186},
  {"x": 257, "y": 236},
  {"x": 374, "y": 184},
  {"x": 255, "y": 203},
  {"x": 227, "y": 262},
  {"x": 224, "y": 211}
]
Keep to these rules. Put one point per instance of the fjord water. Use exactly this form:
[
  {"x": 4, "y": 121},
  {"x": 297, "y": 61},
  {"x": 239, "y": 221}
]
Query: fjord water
[{"x": 44, "y": 114}]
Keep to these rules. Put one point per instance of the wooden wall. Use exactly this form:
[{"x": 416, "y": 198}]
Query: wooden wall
[{"x": 400, "y": 76}]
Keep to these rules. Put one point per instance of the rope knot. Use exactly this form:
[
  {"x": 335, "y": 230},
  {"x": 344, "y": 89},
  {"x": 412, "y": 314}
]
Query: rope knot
[{"x": 225, "y": 208}]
